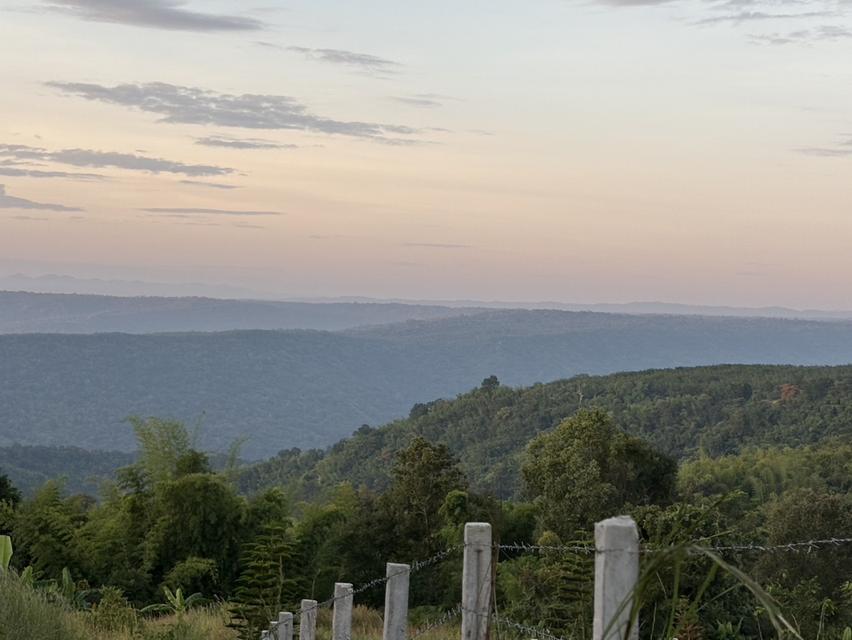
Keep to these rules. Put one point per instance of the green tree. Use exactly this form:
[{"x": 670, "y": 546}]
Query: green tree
[
  {"x": 267, "y": 583},
  {"x": 423, "y": 474},
  {"x": 199, "y": 515},
  {"x": 162, "y": 444},
  {"x": 586, "y": 470},
  {"x": 810, "y": 586},
  {"x": 45, "y": 531},
  {"x": 8, "y": 492}
]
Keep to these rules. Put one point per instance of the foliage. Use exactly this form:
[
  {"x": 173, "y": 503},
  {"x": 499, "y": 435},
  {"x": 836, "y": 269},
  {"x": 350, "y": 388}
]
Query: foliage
[
  {"x": 8, "y": 492},
  {"x": 176, "y": 603},
  {"x": 586, "y": 470},
  {"x": 113, "y": 612},
  {"x": 5, "y": 552},
  {"x": 170, "y": 524},
  {"x": 310, "y": 388},
  {"x": 267, "y": 582},
  {"x": 682, "y": 413}
]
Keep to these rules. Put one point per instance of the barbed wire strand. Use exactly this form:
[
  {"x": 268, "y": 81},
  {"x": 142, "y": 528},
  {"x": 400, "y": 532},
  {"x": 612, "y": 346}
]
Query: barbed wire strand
[
  {"x": 695, "y": 548},
  {"x": 414, "y": 567},
  {"x": 531, "y": 632},
  {"x": 807, "y": 546},
  {"x": 442, "y": 620}
]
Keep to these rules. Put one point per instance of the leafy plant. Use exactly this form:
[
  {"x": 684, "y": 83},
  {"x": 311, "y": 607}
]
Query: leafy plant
[
  {"x": 5, "y": 552},
  {"x": 176, "y": 603}
]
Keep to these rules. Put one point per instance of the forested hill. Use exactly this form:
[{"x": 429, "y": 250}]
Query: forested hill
[
  {"x": 683, "y": 412},
  {"x": 284, "y": 389}
]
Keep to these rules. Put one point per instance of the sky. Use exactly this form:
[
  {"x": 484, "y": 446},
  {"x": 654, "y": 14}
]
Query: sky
[{"x": 577, "y": 151}]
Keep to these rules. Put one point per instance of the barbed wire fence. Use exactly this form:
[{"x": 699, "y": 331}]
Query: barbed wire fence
[{"x": 616, "y": 551}]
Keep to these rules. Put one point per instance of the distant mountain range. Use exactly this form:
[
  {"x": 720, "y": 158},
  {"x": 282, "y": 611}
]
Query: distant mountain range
[
  {"x": 297, "y": 388},
  {"x": 28, "y": 312},
  {"x": 25, "y": 312}
]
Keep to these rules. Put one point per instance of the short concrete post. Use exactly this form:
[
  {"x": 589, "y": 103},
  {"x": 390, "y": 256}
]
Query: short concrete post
[
  {"x": 274, "y": 630},
  {"x": 396, "y": 601},
  {"x": 616, "y": 576},
  {"x": 285, "y": 626},
  {"x": 341, "y": 620},
  {"x": 476, "y": 581},
  {"x": 308, "y": 620}
]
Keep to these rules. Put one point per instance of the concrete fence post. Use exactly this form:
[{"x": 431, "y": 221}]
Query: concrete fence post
[
  {"x": 308, "y": 620},
  {"x": 476, "y": 581},
  {"x": 273, "y": 633},
  {"x": 616, "y": 576},
  {"x": 341, "y": 620},
  {"x": 396, "y": 601},
  {"x": 285, "y": 626}
]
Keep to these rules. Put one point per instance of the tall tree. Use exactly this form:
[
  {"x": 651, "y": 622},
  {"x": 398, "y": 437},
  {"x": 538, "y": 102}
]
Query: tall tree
[
  {"x": 586, "y": 470},
  {"x": 8, "y": 492}
]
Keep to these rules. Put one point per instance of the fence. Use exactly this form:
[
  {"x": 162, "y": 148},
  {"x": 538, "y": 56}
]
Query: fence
[{"x": 616, "y": 550}]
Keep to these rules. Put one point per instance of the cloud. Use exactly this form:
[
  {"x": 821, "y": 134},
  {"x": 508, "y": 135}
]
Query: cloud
[
  {"x": 436, "y": 245},
  {"x": 362, "y": 61},
  {"x": 11, "y": 202},
  {"x": 755, "y": 16},
  {"x": 10, "y": 170},
  {"x": 103, "y": 159},
  {"x": 635, "y": 3},
  {"x": 826, "y": 32},
  {"x": 824, "y": 152},
  {"x": 191, "y": 105},
  {"x": 209, "y": 185},
  {"x": 242, "y": 143},
  {"x": 427, "y": 101},
  {"x": 191, "y": 211},
  {"x": 155, "y": 14}
]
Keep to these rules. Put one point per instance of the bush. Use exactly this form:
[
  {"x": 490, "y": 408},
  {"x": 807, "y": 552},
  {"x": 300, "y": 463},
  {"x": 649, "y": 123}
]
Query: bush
[{"x": 27, "y": 614}]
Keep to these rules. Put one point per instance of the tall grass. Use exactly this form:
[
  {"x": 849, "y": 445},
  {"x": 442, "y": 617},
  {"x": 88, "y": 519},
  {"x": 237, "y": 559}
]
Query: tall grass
[
  {"x": 33, "y": 614},
  {"x": 27, "y": 614}
]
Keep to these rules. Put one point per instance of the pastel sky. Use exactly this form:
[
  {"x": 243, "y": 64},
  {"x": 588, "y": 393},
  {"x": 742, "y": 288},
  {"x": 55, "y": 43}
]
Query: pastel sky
[{"x": 580, "y": 151}]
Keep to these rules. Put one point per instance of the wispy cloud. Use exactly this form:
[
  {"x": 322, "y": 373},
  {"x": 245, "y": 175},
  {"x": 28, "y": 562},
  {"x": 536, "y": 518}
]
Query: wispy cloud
[
  {"x": 826, "y": 32},
  {"x": 242, "y": 143},
  {"x": 209, "y": 185},
  {"x": 424, "y": 100},
  {"x": 154, "y": 14},
  {"x": 13, "y": 171},
  {"x": 741, "y": 17},
  {"x": 104, "y": 159},
  {"x": 191, "y": 105},
  {"x": 13, "y": 202},
  {"x": 361, "y": 61},
  {"x": 437, "y": 245},
  {"x": 192, "y": 211},
  {"x": 825, "y": 152}
]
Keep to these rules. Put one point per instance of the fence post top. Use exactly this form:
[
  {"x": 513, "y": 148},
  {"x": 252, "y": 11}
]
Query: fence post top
[
  {"x": 477, "y": 533},
  {"x": 616, "y": 533},
  {"x": 396, "y": 567},
  {"x": 342, "y": 586},
  {"x": 285, "y": 616}
]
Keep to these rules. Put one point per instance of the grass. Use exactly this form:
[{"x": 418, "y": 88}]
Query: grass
[{"x": 33, "y": 614}]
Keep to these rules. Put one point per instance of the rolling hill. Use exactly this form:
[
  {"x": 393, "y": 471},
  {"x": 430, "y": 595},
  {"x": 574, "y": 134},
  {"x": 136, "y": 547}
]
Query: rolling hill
[
  {"x": 684, "y": 413},
  {"x": 285, "y": 389},
  {"x": 26, "y": 312}
]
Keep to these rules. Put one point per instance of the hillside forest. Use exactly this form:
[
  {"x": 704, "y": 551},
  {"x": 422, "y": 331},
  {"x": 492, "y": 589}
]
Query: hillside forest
[{"x": 730, "y": 460}]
